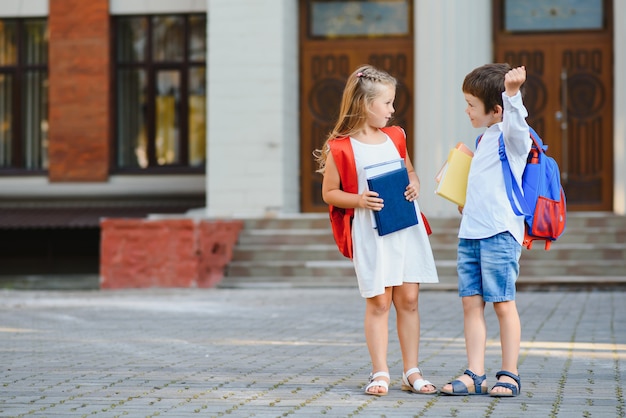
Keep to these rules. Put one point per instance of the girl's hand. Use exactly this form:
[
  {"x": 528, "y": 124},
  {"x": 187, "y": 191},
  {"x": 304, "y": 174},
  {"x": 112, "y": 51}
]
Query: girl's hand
[
  {"x": 370, "y": 200},
  {"x": 412, "y": 192}
]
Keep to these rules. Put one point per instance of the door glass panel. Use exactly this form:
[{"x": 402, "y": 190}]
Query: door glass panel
[
  {"x": 131, "y": 39},
  {"x": 169, "y": 38},
  {"x": 8, "y": 43},
  {"x": 35, "y": 120},
  {"x": 36, "y": 45},
  {"x": 197, "y": 116},
  {"x": 132, "y": 146},
  {"x": 197, "y": 38},
  {"x": 6, "y": 116},
  {"x": 553, "y": 15},
  {"x": 167, "y": 117},
  {"x": 348, "y": 18}
]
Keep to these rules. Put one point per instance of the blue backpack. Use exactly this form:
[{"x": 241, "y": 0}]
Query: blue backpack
[{"x": 542, "y": 199}]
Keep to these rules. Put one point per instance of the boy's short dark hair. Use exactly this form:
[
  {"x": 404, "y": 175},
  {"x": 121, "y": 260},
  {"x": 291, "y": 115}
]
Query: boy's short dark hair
[{"x": 487, "y": 84}]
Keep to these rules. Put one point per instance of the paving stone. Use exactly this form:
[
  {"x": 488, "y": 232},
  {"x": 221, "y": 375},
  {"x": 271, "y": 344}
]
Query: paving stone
[{"x": 279, "y": 352}]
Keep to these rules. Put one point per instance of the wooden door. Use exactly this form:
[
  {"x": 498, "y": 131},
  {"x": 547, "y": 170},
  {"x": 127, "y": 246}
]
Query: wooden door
[
  {"x": 569, "y": 97},
  {"x": 325, "y": 64}
]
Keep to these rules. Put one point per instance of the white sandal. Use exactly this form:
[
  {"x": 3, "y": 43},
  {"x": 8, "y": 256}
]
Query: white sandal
[
  {"x": 380, "y": 383},
  {"x": 418, "y": 384}
]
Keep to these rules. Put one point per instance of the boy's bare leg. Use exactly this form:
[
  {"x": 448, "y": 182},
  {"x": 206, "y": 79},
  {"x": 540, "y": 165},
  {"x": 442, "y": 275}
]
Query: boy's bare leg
[
  {"x": 510, "y": 339},
  {"x": 475, "y": 330},
  {"x": 377, "y": 332},
  {"x": 405, "y": 299}
]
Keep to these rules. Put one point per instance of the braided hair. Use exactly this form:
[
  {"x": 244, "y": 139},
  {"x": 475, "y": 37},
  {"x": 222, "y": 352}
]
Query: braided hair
[{"x": 362, "y": 87}]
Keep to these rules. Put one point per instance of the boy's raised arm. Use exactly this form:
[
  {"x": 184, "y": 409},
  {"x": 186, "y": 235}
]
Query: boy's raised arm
[{"x": 513, "y": 80}]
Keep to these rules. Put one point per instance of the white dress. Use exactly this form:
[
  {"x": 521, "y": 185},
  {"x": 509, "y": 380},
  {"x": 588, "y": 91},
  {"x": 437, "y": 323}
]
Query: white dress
[{"x": 390, "y": 260}]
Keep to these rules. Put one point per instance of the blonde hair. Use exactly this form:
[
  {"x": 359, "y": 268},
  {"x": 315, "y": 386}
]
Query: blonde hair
[{"x": 362, "y": 88}]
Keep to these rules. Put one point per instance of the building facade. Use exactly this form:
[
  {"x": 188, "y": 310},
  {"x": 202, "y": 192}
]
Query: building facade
[{"x": 213, "y": 107}]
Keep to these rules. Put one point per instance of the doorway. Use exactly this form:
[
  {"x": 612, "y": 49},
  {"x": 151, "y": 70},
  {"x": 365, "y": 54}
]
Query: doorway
[
  {"x": 567, "y": 48},
  {"x": 335, "y": 38}
]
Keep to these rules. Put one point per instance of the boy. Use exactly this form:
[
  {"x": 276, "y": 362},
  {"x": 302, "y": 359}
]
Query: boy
[{"x": 491, "y": 235}]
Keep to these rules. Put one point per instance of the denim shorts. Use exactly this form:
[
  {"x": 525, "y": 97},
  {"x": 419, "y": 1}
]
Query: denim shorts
[{"x": 489, "y": 267}]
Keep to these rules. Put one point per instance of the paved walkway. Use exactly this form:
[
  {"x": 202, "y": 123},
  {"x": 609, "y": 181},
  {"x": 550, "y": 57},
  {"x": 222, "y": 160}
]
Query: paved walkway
[{"x": 281, "y": 352}]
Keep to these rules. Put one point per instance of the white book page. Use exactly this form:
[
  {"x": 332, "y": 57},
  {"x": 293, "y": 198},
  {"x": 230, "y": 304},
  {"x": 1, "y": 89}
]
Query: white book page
[{"x": 382, "y": 168}]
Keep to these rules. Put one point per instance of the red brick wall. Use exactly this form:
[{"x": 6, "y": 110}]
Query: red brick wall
[
  {"x": 140, "y": 253},
  {"x": 79, "y": 86}
]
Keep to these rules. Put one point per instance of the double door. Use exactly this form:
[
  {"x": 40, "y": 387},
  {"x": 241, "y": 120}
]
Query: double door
[
  {"x": 330, "y": 52},
  {"x": 569, "y": 90},
  {"x": 568, "y": 93}
]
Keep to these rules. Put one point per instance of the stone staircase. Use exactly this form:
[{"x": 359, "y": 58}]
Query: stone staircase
[{"x": 300, "y": 251}]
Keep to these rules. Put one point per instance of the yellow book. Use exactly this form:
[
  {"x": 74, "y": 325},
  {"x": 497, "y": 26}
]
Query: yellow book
[{"x": 452, "y": 177}]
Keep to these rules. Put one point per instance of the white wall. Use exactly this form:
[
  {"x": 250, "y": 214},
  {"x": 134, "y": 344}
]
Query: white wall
[
  {"x": 120, "y": 7},
  {"x": 23, "y": 8},
  {"x": 619, "y": 112},
  {"x": 452, "y": 38},
  {"x": 117, "y": 186},
  {"x": 253, "y": 107}
]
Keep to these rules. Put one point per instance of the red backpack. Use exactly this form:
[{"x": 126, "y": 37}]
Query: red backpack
[{"x": 340, "y": 218}]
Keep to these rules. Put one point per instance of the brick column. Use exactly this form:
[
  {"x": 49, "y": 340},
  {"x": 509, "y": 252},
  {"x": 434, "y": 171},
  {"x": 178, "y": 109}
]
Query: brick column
[{"x": 79, "y": 86}]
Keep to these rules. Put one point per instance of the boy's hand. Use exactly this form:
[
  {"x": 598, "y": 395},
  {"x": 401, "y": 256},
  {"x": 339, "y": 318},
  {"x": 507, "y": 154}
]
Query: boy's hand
[{"x": 513, "y": 80}]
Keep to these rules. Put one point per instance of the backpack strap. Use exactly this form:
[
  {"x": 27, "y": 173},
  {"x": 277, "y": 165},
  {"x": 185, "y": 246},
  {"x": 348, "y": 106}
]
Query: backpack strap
[
  {"x": 342, "y": 152},
  {"x": 340, "y": 218},
  {"x": 398, "y": 137},
  {"x": 511, "y": 186}
]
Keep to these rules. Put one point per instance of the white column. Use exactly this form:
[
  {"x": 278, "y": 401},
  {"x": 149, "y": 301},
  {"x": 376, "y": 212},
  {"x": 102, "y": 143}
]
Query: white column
[
  {"x": 252, "y": 134},
  {"x": 452, "y": 38},
  {"x": 619, "y": 111}
]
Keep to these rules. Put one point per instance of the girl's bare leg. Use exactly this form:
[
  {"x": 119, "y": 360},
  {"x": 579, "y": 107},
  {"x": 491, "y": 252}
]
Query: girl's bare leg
[
  {"x": 377, "y": 332},
  {"x": 405, "y": 299}
]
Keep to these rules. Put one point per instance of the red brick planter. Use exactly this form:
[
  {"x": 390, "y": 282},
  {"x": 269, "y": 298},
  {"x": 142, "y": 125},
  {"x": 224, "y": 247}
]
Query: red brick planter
[{"x": 141, "y": 253}]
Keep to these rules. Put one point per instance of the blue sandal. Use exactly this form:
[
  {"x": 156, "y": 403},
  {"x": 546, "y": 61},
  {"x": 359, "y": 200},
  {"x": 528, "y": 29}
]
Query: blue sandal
[
  {"x": 515, "y": 390},
  {"x": 460, "y": 389}
]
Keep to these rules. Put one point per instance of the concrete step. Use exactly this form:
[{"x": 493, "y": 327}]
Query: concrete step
[
  {"x": 340, "y": 268},
  {"x": 320, "y": 220},
  {"x": 323, "y": 235},
  {"x": 300, "y": 250},
  {"x": 446, "y": 283},
  {"x": 328, "y": 251}
]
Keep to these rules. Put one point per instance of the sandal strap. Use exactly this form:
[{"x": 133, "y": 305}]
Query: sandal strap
[
  {"x": 510, "y": 386},
  {"x": 418, "y": 384},
  {"x": 478, "y": 380},
  {"x": 512, "y": 376},
  {"x": 412, "y": 371},
  {"x": 373, "y": 376},
  {"x": 381, "y": 383}
]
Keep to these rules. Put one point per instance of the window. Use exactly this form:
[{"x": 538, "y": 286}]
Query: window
[
  {"x": 160, "y": 97},
  {"x": 553, "y": 15},
  {"x": 358, "y": 18},
  {"x": 23, "y": 95}
]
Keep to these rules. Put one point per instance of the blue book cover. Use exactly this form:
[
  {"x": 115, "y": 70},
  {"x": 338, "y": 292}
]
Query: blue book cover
[{"x": 397, "y": 213}]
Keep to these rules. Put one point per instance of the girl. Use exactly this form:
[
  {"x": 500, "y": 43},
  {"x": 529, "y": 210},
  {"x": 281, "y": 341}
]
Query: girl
[{"x": 389, "y": 268}]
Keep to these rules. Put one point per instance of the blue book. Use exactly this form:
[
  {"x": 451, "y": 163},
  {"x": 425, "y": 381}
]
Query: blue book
[{"x": 397, "y": 213}]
